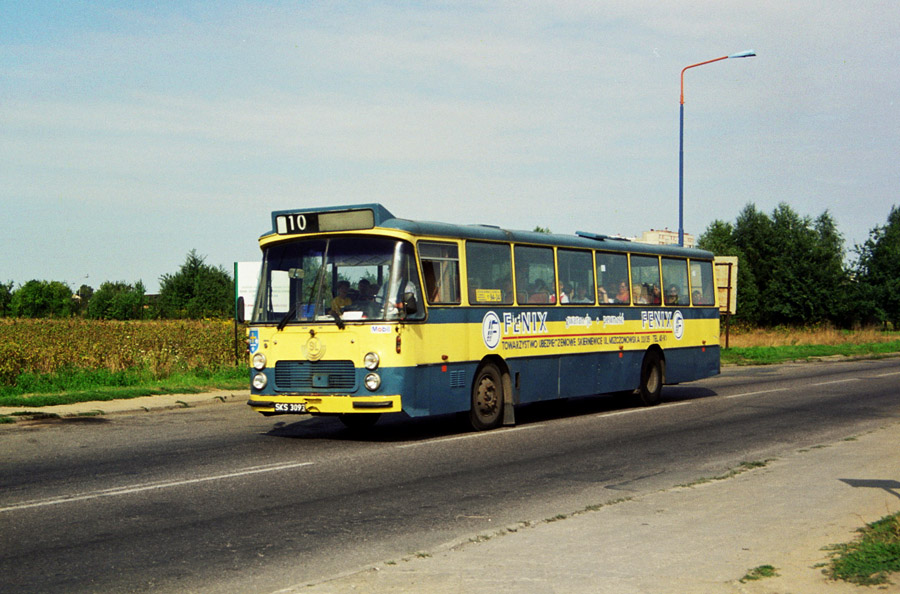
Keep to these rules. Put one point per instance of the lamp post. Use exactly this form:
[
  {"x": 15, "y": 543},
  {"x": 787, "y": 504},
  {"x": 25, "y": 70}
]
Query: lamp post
[{"x": 747, "y": 54}]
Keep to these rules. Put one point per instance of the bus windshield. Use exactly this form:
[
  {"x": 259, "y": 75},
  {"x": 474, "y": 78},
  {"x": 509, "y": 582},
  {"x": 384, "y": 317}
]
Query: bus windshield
[{"x": 338, "y": 279}]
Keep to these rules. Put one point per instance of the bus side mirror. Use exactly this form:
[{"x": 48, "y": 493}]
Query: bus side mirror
[
  {"x": 410, "y": 304},
  {"x": 239, "y": 310}
]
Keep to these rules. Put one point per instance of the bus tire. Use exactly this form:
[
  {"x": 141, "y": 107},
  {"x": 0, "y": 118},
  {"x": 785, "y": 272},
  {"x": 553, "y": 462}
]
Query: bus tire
[
  {"x": 650, "y": 390},
  {"x": 357, "y": 421},
  {"x": 487, "y": 398}
]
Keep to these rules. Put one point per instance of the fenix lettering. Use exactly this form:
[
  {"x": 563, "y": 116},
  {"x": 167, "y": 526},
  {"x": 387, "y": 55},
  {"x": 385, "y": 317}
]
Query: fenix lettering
[
  {"x": 656, "y": 319},
  {"x": 527, "y": 322}
]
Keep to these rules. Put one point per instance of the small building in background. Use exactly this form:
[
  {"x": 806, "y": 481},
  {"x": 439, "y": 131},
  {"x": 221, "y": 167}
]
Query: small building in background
[{"x": 664, "y": 237}]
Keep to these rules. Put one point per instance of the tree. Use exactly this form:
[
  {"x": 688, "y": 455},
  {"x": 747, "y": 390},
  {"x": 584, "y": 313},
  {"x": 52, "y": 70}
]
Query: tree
[
  {"x": 791, "y": 267},
  {"x": 41, "y": 299},
  {"x": 878, "y": 272},
  {"x": 117, "y": 301},
  {"x": 81, "y": 299},
  {"x": 6, "y": 294},
  {"x": 197, "y": 290}
]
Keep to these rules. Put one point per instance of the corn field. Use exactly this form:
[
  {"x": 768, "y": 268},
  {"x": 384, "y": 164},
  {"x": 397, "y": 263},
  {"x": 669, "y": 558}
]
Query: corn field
[{"x": 159, "y": 346}]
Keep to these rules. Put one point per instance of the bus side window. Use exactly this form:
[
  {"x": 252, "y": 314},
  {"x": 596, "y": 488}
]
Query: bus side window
[
  {"x": 675, "y": 281},
  {"x": 612, "y": 278},
  {"x": 535, "y": 275},
  {"x": 576, "y": 276},
  {"x": 440, "y": 269},
  {"x": 489, "y": 273},
  {"x": 645, "y": 283},
  {"x": 702, "y": 282}
]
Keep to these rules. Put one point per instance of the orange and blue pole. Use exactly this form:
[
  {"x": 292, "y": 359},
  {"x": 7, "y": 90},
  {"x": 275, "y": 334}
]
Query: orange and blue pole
[{"x": 747, "y": 54}]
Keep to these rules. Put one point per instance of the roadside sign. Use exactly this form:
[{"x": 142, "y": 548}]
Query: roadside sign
[
  {"x": 726, "y": 283},
  {"x": 246, "y": 280}
]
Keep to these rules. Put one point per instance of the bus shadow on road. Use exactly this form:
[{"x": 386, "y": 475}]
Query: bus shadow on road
[{"x": 401, "y": 428}]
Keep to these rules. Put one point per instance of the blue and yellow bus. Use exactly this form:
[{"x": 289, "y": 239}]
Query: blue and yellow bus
[{"x": 360, "y": 313}]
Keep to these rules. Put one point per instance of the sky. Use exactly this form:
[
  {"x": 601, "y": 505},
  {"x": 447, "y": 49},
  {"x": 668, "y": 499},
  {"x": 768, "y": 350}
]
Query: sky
[{"x": 134, "y": 132}]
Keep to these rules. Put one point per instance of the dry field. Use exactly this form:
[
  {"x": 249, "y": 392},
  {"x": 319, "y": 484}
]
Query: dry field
[
  {"x": 44, "y": 346},
  {"x": 741, "y": 338}
]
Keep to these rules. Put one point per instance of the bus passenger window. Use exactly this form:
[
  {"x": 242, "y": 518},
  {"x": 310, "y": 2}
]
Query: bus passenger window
[
  {"x": 535, "y": 277},
  {"x": 675, "y": 281},
  {"x": 702, "y": 282},
  {"x": 645, "y": 283},
  {"x": 440, "y": 269},
  {"x": 576, "y": 276},
  {"x": 489, "y": 275},
  {"x": 612, "y": 278}
]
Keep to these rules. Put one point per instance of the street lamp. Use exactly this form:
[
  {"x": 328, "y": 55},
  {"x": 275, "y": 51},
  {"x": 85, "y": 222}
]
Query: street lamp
[{"x": 747, "y": 54}]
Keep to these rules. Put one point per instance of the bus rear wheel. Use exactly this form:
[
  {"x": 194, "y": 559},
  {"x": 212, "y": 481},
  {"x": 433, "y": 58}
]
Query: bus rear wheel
[
  {"x": 650, "y": 390},
  {"x": 487, "y": 398}
]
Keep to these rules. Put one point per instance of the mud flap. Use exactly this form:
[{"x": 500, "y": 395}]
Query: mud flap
[{"x": 509, "y": 409}]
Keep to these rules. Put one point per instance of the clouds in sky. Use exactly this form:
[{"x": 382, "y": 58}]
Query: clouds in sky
[{"x": 132, "y": 133}]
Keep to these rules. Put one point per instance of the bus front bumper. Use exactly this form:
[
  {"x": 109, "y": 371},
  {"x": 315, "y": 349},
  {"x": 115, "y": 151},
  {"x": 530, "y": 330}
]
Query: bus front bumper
[{"x": 324, "y": 405}]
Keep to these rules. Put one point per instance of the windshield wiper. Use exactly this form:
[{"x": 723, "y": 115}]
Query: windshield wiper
[
  {"x": 337, "y": 319},
  {"x": 287, "y": 317}
]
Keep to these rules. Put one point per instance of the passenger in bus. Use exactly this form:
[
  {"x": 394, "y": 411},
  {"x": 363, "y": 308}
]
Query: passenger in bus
[
  {"x": 341, "y": 300},
  {"x": 697, "y": 298},
  {"x": 655, "y": 295},
  {"x": 563, "y": 295},
  {"x": 581, "y": 295},
  {"x": 672, "y": 295},
  {"x": 366, "y": 293},
  {"x": 539, "y": 293},
  {"x": 640, "y": 294},
  {"x": 622, "y": 296}
]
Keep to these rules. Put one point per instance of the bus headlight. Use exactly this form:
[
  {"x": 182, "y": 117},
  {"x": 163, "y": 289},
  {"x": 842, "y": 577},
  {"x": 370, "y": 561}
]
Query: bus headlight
[
  {"x": 260, "y": 381},
  {"x": 259, "y": 361},
  {"x": 373, "y": 382},
  {"x": 371, "y": 361}
]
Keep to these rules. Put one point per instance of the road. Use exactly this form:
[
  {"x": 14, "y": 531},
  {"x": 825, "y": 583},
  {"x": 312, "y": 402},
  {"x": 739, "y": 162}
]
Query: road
[{"x": 220, "y": 499}]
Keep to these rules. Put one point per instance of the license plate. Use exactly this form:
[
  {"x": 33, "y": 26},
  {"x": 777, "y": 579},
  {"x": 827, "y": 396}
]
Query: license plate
[{"x": 290, "y": 407}]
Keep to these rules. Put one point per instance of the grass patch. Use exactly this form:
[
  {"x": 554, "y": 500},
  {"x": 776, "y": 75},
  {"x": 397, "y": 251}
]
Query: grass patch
[
  {"x": 871, "y": 558},
  {"x": 758, "y": 573},
  {"x": 72, "y": 386},
  {"x": 769, "y": 355},
  {"x": 766, "y": 346}
]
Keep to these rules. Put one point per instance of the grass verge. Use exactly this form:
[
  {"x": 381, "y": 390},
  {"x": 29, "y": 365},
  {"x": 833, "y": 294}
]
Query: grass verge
[
  {"x": 73, "y": 386},
  {"x": 869, "y": 560},
  {"x": 769, "y": 355}
]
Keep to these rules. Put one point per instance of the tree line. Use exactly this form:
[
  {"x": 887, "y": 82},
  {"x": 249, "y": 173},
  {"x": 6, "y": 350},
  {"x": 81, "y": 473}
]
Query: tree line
[
  {"x": 198, "y": 290},
  {"x": 793, "y": 270}
]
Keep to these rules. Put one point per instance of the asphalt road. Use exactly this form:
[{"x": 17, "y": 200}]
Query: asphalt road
[{"x": 220, "y": 499}]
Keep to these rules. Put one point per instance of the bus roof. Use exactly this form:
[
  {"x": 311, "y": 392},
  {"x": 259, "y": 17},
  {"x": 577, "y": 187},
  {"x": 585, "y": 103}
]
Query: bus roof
[{"x": 384, "y": 219}]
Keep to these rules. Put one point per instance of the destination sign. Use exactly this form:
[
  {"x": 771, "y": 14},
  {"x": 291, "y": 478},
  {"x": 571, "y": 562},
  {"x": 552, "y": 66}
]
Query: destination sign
[{"x": 322, "y": 222}]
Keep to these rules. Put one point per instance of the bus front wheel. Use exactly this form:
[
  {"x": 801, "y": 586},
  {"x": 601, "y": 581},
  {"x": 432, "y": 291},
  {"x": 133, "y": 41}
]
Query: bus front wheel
[
  {"x": 650, "y": 390},
  {"x": 487, "y": 398}
]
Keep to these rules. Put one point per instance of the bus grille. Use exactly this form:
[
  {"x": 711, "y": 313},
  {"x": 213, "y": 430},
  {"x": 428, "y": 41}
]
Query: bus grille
[{"x": 315, "y": 376}]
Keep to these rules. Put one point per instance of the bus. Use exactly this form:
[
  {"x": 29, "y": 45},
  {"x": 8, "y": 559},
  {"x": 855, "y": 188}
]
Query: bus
[{"x": 360, "y": 313}]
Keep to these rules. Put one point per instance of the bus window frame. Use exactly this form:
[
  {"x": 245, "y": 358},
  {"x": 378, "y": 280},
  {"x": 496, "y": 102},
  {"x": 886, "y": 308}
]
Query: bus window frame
[
  {"x": 440, "y": 282},
  {"x": 570, "y": 295},
  {"x": 627, "y": 280},
  {"x": 684, "y": 298},
  {"x": 466, "y": 271},
  {"x": 551, "y": 291}
]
